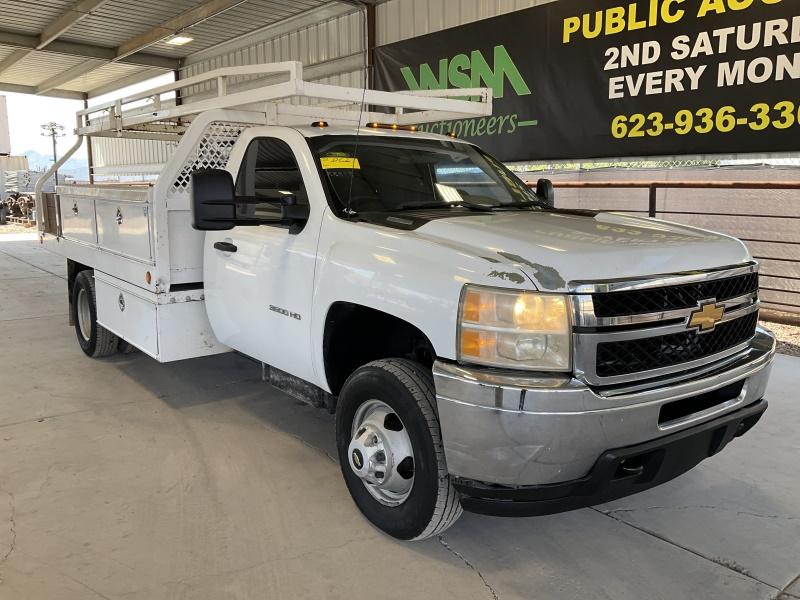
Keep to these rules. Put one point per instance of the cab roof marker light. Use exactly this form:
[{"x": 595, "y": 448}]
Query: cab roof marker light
[
  {"x": 392, "y": 126},
  {"x": 320, "y": 124}
]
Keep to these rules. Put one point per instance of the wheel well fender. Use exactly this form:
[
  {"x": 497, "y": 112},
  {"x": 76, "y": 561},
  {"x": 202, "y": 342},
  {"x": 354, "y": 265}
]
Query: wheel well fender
[{"x": 356, "y": 335}]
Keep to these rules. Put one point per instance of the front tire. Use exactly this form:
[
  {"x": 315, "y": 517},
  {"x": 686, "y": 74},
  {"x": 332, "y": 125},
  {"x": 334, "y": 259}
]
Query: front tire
[
  {"x": 95, "y": 340},
  {"x": 390, "y": 450}
]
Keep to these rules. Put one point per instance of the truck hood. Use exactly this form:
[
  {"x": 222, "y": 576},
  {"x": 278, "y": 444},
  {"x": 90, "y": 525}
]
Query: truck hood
[{"x": 557, "y": 249}]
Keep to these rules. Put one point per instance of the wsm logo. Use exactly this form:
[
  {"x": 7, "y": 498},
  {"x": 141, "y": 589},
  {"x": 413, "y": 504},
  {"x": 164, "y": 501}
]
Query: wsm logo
[
  {"x": 473, "y": 71},
  {"x": 470, "y": 71}
]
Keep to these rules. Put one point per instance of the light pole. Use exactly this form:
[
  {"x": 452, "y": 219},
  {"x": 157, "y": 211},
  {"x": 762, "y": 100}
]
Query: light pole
[{"x": 53, "y": 130}]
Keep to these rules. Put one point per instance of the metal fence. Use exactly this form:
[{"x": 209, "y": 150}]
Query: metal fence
[
  {"x": 767, "y": 160},
  {"x": 776, "y": 247}
]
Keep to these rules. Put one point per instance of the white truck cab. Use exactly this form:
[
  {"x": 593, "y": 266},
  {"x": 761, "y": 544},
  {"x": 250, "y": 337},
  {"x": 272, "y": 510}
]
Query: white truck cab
[{"x": 481, "y": 349}]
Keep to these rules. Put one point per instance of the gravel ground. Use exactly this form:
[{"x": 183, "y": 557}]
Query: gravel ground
[
  {"x": 788, "y": 337},
  {"x": 14, "y": 228}
]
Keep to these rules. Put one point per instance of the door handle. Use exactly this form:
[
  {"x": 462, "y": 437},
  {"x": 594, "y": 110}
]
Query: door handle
[{"x": 225, "y": 247}]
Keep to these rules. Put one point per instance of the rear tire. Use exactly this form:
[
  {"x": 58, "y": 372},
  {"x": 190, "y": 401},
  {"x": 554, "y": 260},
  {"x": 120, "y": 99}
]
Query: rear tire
[
  {"x": 125, "y": 347},
  {"x": 95, "y": 340},
  {"x": 401, "y": 393}
]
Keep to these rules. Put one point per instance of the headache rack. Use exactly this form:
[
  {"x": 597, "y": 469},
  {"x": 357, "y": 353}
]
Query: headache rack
[
  {"x": 261, "y": 94},
  {"x": 280, "y": 86}
]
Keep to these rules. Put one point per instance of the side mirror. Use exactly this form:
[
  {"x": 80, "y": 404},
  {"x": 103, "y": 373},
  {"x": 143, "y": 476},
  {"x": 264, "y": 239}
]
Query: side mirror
[
  {"x": 216, "y": 207},
  {"x": 546, "y": 192},
  {"x": 213, "y": 200}
]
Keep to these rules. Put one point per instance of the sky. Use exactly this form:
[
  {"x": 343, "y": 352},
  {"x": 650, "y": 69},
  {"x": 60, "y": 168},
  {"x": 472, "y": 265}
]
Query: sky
[{"x": 27, "y": 113}]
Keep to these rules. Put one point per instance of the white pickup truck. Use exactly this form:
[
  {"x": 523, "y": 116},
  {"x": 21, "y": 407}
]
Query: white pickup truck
[{"x": 481, "y": 349}]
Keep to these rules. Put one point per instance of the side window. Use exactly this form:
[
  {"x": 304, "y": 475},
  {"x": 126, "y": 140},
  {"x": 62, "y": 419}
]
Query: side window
[{"x": 269, "y": 171}]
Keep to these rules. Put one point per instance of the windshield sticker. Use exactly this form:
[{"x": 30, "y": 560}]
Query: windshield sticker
[
  {"x": 339, "y": 162},
  {"x": 444, "y": 171}
]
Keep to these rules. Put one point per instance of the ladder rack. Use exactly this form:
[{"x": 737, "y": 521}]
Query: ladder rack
[{"x": 148, "y": 115}]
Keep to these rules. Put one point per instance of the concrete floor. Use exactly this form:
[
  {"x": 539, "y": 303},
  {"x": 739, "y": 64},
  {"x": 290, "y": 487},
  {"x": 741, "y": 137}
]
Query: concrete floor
[{"x": 123, "y": 478}]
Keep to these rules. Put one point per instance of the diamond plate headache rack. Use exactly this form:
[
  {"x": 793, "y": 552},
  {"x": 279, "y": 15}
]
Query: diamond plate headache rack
[
  {"x": 212, "y": 151},
  {"x": 152, "y": 114}
]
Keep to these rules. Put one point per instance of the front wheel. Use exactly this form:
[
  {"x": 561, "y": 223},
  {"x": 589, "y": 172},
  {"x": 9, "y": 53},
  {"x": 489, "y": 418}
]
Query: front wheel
[{"x": 390, "y": 450}]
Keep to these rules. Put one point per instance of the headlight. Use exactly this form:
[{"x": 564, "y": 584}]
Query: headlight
[{"x": 524, "y": 330}]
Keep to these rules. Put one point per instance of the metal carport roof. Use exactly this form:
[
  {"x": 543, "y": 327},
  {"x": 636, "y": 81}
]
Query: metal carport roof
[{"x": 80, "y": 49}]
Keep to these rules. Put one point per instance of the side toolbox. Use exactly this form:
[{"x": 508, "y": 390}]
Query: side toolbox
[
  {"x": 168, "y": 327},
  {"x": 123, "y": 226},
  {"x": 127, "y": 312},
  {"x": 78, "y": 219},
  {"x": 114, "y": 219}
]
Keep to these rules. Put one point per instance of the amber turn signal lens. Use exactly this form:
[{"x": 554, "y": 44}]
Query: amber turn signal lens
[
  {"x": 477, "y": 305},
  {"x": 472, "y": 306},
  {"x": 477, "y": 343}
]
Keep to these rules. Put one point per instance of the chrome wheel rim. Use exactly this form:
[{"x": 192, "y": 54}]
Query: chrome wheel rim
[
  {"x": 84, "y": 314},
  {"x": 381, "y": 454}
]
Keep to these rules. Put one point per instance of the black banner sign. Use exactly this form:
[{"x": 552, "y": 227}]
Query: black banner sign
[{"x": 602, "y": 78}]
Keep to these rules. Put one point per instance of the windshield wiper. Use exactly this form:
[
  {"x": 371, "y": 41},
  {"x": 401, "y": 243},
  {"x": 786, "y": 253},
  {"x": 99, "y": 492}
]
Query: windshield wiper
[
  {"x": 464, "y": 203},
  {"x": 470, "y": 204},
  {"x": 526, "y": 204},
  {"x": 516, "y": 204}
]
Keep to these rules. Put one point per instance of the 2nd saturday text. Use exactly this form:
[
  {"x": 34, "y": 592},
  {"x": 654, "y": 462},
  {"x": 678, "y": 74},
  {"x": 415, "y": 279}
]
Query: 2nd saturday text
[{"x": 769, "y": 34}]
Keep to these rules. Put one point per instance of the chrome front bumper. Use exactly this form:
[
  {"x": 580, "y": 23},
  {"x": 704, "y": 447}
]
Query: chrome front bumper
[{"x": 508, "y": 429}]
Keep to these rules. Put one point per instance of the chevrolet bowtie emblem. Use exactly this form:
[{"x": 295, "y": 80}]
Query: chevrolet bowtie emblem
[{"x": 705, "y": 318}]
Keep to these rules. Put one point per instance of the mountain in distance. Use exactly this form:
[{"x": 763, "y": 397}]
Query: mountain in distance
[{"x": 77, "y": 168}]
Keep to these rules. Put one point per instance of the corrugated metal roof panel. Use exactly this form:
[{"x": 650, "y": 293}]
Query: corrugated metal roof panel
[
  {"x": 334, "y": 38},
  {"x": 31, "y": 16},
  {"x": 100, "y": 77},
  {"x": 5, "y": 51},
  {"x": 118, "y": 21},
  {"x": 37, "y": 67},
  {"x": 133, "y": 154},
  {"x": 402, "y": 19},
  {"x": 235, "y": 22}
]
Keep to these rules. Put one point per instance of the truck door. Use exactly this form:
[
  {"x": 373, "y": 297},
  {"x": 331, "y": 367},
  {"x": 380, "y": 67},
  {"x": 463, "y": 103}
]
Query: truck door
[{"x": 259, "y": 279}]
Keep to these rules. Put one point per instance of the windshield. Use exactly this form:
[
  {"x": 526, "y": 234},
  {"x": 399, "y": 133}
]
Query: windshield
[{"x": 387, "y": 175}]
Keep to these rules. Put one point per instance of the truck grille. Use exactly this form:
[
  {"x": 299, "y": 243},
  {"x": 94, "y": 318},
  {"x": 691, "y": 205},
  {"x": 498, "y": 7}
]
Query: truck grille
[
  {"x": 637, "y": 302},
  {"x": 634, "y": 330},
  {"x": 645, "y": 354}
]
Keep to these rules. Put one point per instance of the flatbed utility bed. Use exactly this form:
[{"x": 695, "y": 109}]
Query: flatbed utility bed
[{"x": 138, "y": 236}]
